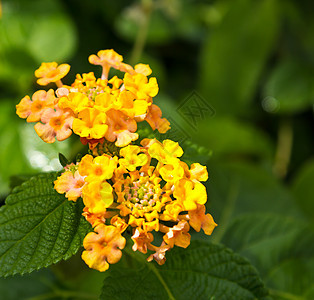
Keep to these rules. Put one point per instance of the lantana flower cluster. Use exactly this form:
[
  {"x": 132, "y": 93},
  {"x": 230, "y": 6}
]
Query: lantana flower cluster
[
  {"x": 94, "y": 108},
  {"x": 140, "y": 189}
]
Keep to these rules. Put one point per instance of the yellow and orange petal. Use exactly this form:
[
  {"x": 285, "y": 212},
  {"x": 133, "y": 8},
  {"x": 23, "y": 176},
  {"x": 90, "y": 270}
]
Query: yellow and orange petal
[
  {"x": 199, "y": 220},
  {"x": 75, "y": 101},
  {"x": 33, "y": 109},
  {"x": 178, "y": 235},
  {"x": 106, "y": 59},
  {"x": 190, "y": 193},
  {"x": 51, "y": 72},
  {"x": 166, "y": 152},
  {"x": 103, "y": 247},
  {"x": 132, "y": 159},
  {"x": 155, "y": 120},
  {"x": 71, "y": 184},
  {"x": 140, "y": 86},
  {"x": 90, "y": 124},
  {"x": 141, "y": 239},
  {"x": 99, "y": 168},
  {"x": 97, "y": 196},
  {"x": 160, "y": 255},
  {"x": 121, "y": 128},
  {"x": 55, "y": 125}
]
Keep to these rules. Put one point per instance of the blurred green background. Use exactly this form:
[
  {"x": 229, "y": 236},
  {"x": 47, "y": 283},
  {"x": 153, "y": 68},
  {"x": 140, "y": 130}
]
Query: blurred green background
[{"x": 236, "y": 77}]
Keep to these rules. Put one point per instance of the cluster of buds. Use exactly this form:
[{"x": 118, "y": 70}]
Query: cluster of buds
[{"x": 138, "y": 189}]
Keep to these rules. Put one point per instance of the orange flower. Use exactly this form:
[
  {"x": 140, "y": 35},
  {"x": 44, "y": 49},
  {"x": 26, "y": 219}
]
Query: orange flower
[
  {"x": 57, "y": 124},
  {"x": 155, "y": 121},
  {"x": 108, "y": 59},
  {"x": 70, "y": 183},
  {"x": 33, "y": 109},
  {"x": 199, "y": 220},
  {"x": 178, "y": 235},
  {"x": 141, "y": 239},
  {"x": 160, "y": 255},
  {"x": 102, "y": 247},
  {"x": 121, "y": 128},
  {"x": 51, "y": 72}
]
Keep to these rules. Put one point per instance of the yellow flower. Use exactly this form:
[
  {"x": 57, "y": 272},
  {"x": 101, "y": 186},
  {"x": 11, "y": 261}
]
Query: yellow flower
[
  {"x": 51, "y": 72},
  {"x": 33, "y": 109},
  {"x": 91, "y": 124},
  {"x": 143, "y": 69},
  {"x": 74, "y": 101},
  {"x": 140, "y": 86},
  {"x": 97, "y": 196},
  {"x": 190, "y": 193},
  {"x": 103, "y": 247},
  {"x": 166, "y": 152},
  {"x": 97, "y": 169},
  {"x": 132, "y": 158},
  {"x": 171, "y": 173}
]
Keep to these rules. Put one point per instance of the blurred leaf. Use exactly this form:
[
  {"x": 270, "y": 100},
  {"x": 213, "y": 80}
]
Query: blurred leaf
[
  {"x": 52, "y": 39},
  {"x": 291, "y": 86},
  {"x": 131, "y": 19},
  {"x": 22, "y": 151},
  {"x": 235, "y": 53},
  {"x": 202, "y": 271},
  {"x": 27, "y": 286},
  {"x": 229, "y": 137},
  {"x": 303, "y": 189},
  {"x": 12, "y": 158},
  {"x": 38, "y": 227},
  {"x": 251, "y": 234},
  {"x": 280, "y": 247},
  {"x": 241, "y": 187},
  {"x": 32, "y": 32}
]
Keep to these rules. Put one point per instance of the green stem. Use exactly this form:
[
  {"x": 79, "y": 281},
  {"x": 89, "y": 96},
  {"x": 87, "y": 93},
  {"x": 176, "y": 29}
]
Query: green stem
[
  {"x": 284, "y": 148},
  {"x": 285, "y": 295},
  {"x": 147, "y": 7},
  {"x": 227, "y": 212}
]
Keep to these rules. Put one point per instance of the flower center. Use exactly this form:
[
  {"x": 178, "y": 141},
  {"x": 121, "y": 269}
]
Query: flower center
[{"x": 141, "y": 194}]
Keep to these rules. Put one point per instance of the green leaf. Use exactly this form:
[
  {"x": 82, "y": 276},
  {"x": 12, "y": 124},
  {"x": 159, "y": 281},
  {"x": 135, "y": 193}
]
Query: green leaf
[
  {"x": 251, "y": 234},
  {"x": 280, "y": 247},
  {"x": 26, "y": 286},
  {"x": 289, "y": 88},
  {"x": 230, "y": 137},
  {"x": 235, "y": 53},
  {"x": 63, "y": 160},
  {"x": 38, "y": 227},
  {"x": 303, "y": 189},
  {"x": 240, "y": 187},
  {"x": 202, "y": 271}
]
